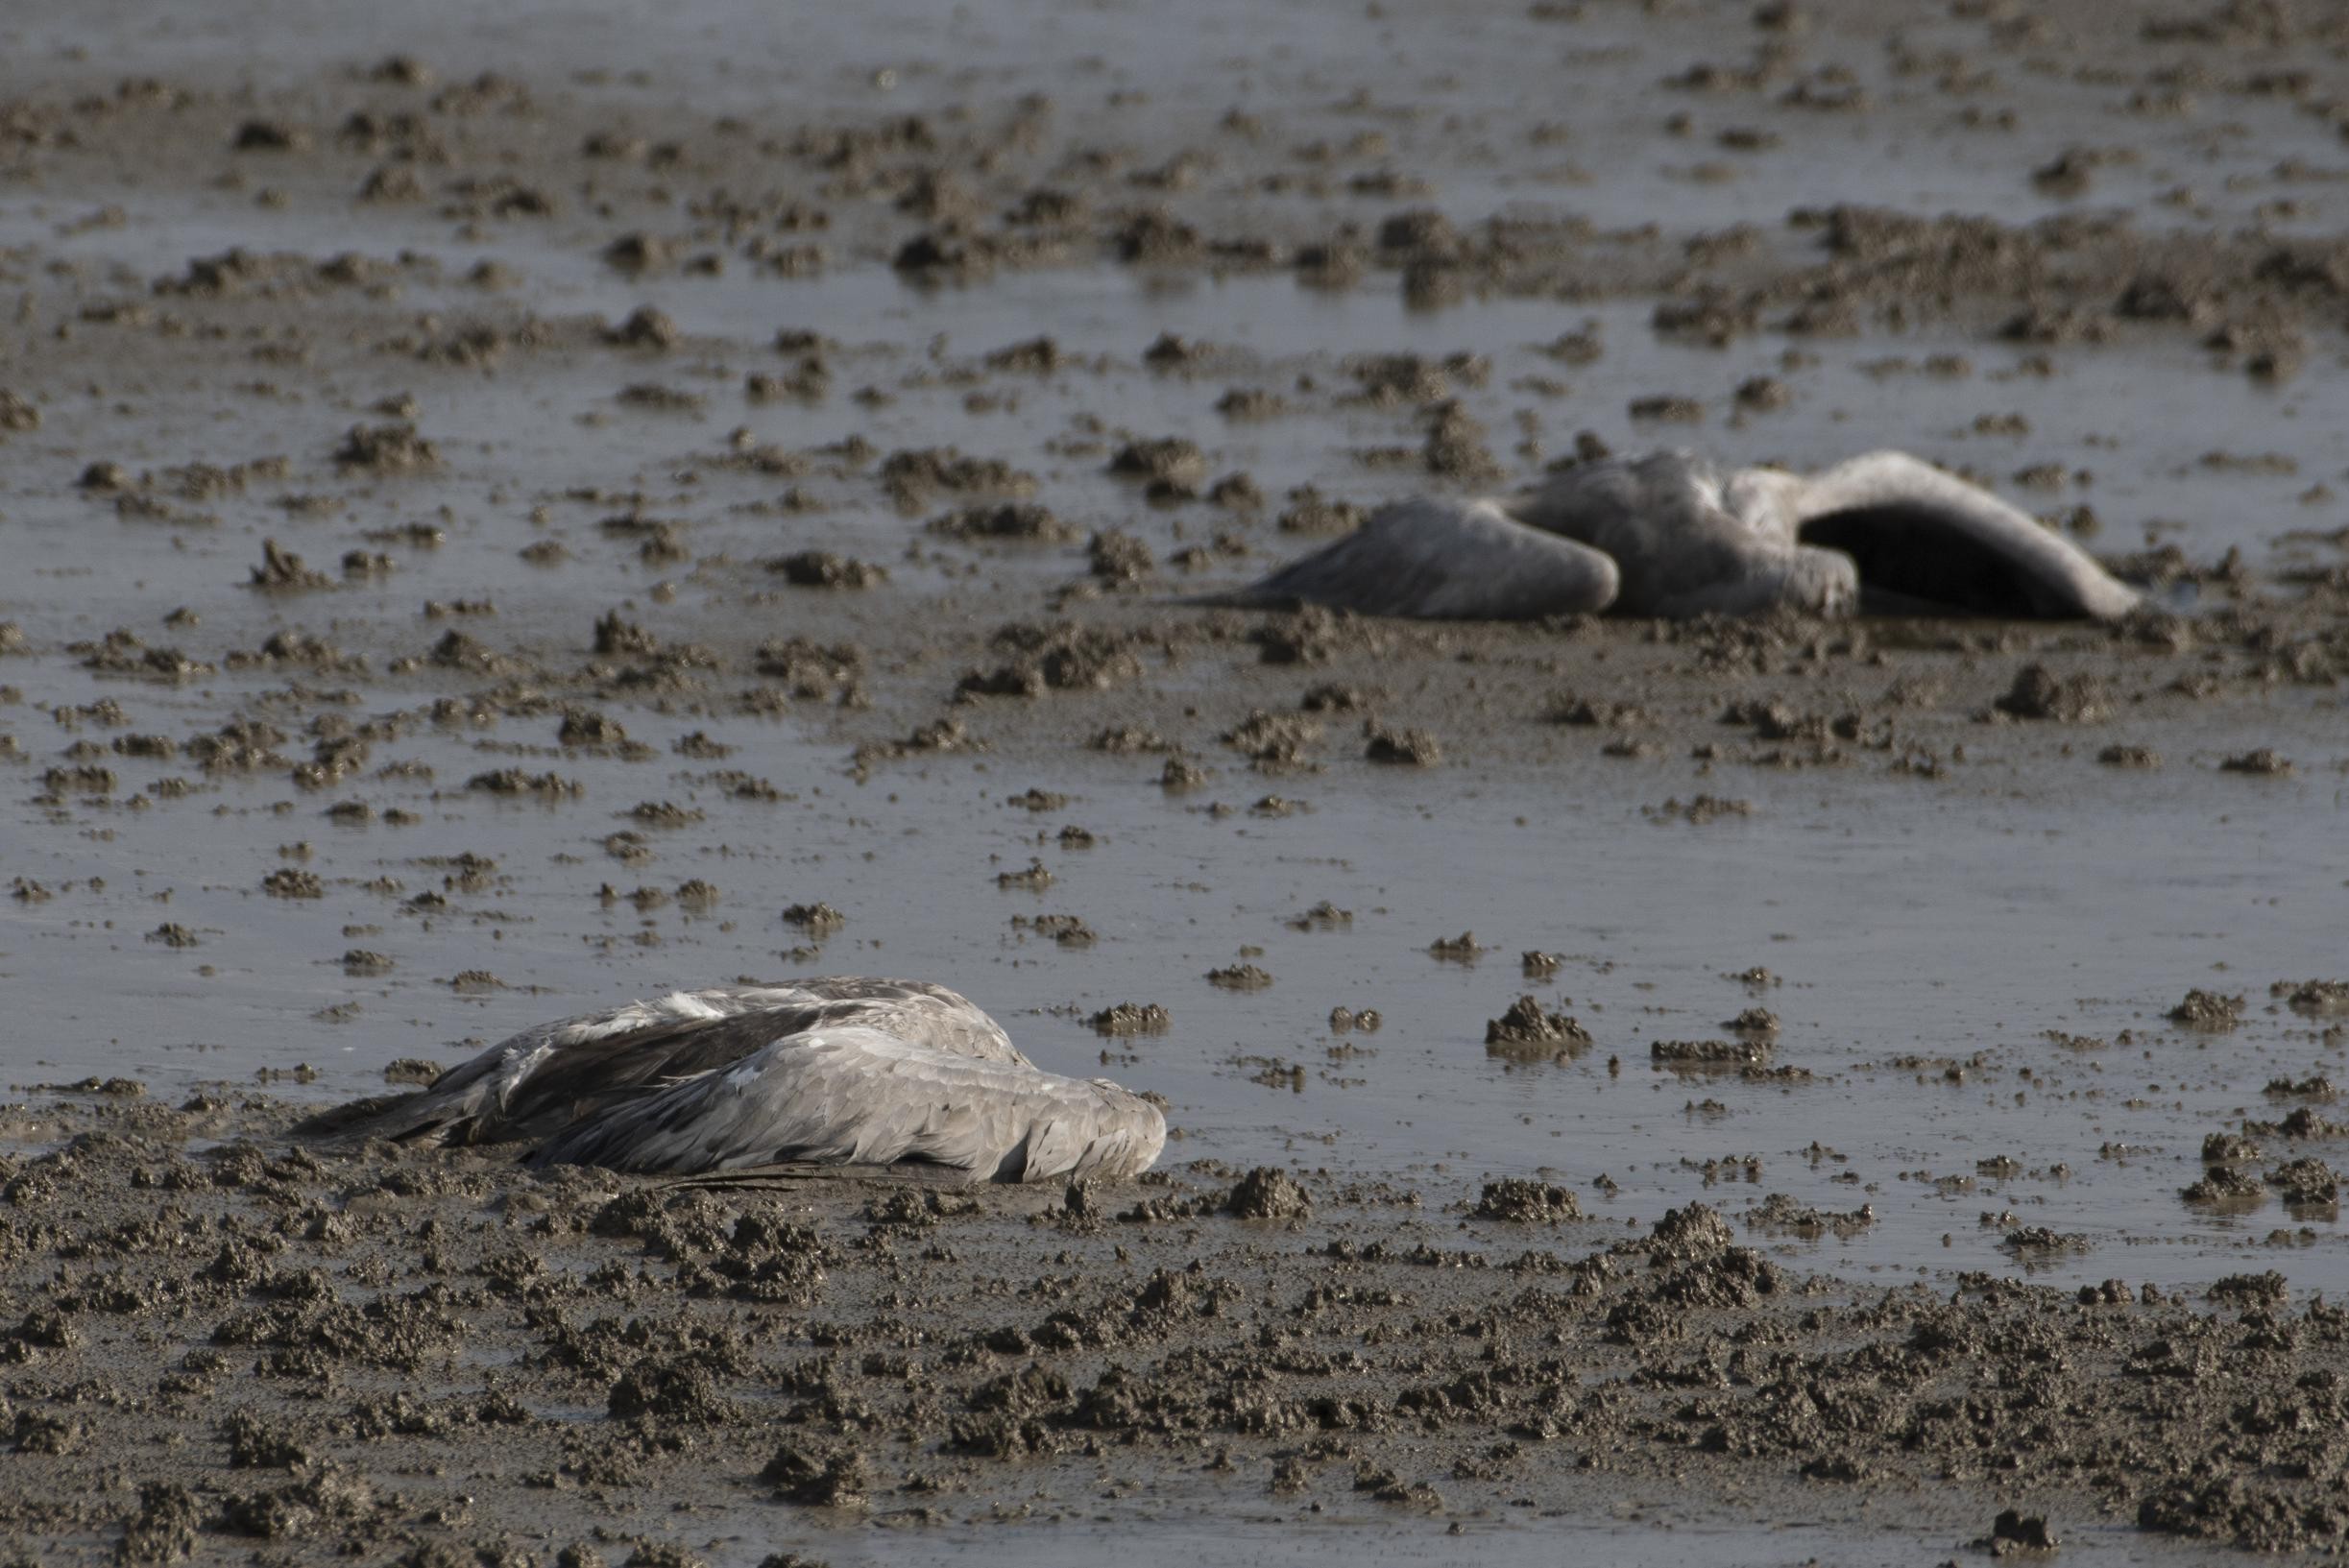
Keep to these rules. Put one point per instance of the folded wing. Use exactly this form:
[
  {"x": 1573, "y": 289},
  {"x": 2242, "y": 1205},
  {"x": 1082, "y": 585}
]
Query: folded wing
[
  {"x": 1446, "y": 560},
  {"x": 548, "y": 1076},
  {"x": 855, "y": 1096}
]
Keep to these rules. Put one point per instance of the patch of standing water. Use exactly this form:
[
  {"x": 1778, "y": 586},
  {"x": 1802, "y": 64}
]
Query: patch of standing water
[{"x": 1923, "y": 951}]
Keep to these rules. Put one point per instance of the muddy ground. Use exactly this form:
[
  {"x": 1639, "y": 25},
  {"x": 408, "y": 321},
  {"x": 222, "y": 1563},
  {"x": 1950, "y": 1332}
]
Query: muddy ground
[
  {"x": 501, "y": 515},
  {"x": 228, "y": 1345}
]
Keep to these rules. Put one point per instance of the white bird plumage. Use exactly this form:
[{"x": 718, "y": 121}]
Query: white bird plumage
[
  {"x": 841, "y": 1071},
  {"x": 1667, "y": 535}
]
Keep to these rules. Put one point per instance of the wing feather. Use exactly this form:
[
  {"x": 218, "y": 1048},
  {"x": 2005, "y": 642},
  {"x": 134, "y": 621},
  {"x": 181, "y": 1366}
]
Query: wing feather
[
  {"x": 857, "y": 1095},
  {"x": 540, "y": 1080},
  {"x": 1446, "y": 560},
  {"x": 1927, "y": 539},
  {"x": 1684, "y": 544},
  {"x": 1665, "y": 533}
]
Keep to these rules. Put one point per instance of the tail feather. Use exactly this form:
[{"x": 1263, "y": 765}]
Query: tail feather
[{"x": 420, "y": 1117}]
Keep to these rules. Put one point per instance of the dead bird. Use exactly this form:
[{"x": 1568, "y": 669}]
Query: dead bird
[
  {"x": 1667, "y": 535},
  {"x": 842, "y": 1074}
]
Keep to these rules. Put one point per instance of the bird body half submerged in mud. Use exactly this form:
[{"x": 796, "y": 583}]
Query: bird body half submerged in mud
[
  {"x": 862, "y": 1075},
  {"x": 1668, "y": 535}
]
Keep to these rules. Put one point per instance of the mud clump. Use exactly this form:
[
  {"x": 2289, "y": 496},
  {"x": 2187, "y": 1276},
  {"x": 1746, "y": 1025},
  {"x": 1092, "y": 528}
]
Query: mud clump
[
  {"x": 163, "y": 1527},
  {"x": 1456, "y": 445},
  {"x": 659, "y": 398},
  {"x": 2038, "y": 693},
  {"x": 1517, "y": 1201},
  {"x": 514, "y": 781},
  {"x": 1034, "y": 356},
  {"x": 1066, "y": 930},
  {"x": 2039, "y": 1240},
  {"x": 912, "y": 476},
  {"x": 1586, "y": 712},
  {"x": 1529, "y": 1032},
  {"x": 386, "y": 448},
  {"x": 1692, "y": 1231},
  {"x": 293, "y": 883},
  {"x": 2306, "y": 1183},
  {"x": 1274, "y": 742},
  {"x": 1698, "y": 809},
  {"x": 584, "y": 727},
  {"x": 1062, "y": 657},
  {"x": 614, "y": 634},
  {"x": 1129, "y": 741},
  {"x": 282, "y": 571},
  {"x": 1022, "y": 522},
  {"x": 683, "y": 1391},
  {"x": 1463, "y": 948},
  {"x": 1781, "y": 1213},
  {"x": 824, "y": 569},
  {"x": 2226, "y": 1148},
  {"x": 1116, "y": 556},
  {"x": 1402, "y": 748},
  {"x": 2225, "y": 1187},
  {"x": 1035, "y": 877},
  {"x": 648, "y": 327},
  {"x": 1710, "y": 1054},
  {"x": 1128, "y": 1018},
  {"x": 2013, "y": 1530},
  {"x": 2207, "y": 1010},
  {"x": 2263, "y": 763},
  {"x": 1174, "y": 463},
  {"x": 1268, "y": 1194},
  {"x": 941, "y": 735},
  {"x": 2318, "y": 998},
  {"x": 818, "y": 1475},
  {"x": 1310, "y": 512}
]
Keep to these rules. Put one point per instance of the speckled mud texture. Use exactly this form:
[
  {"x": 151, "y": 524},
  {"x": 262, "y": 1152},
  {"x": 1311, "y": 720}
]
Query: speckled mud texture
[
  {"x": 229, "y": 1347},
  {"x": 502, "y": 510}
]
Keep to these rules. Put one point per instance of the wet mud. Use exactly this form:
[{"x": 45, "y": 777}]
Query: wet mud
[
  {"x": 436, "y": 1356},
  {"x": 500, "y": 515}
]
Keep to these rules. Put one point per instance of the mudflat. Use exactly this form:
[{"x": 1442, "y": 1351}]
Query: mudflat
[{"x": 502, "y": 515}]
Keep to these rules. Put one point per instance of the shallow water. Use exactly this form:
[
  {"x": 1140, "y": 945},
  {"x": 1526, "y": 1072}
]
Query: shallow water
[{"x": 1961, "y": 920}]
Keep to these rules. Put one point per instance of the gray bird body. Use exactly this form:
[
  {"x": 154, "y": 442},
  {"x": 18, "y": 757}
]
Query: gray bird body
[
  {"x": 1437, "y": 560},
  {"x": 1666, "y": 535},
  {"x": 835, "y": 1071}
]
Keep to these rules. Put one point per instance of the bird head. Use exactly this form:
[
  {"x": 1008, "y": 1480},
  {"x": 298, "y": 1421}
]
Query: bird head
[{"x": 1824, "y": 582}]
